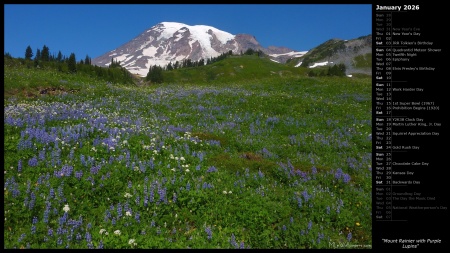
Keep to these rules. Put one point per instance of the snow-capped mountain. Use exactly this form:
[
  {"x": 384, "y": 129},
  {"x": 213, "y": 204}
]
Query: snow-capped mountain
[{"x": 170, "y": 42}]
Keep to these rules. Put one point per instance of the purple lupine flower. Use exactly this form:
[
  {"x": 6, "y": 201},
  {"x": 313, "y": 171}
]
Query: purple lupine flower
[
  {"x": 162, "y": 194},
  {"x": 19, "y": 166},
  {"x": 174, "y": 199},
  {"x": 320, "y": 236},
  {"x": 211, "y": 169},
  {"x": 63, "y": 219},
  {"x": 146, "y": 201},
  {"x": 95, "y": 169},
  {"x": 349, "y": 236},
  {"x": 260, "y": 174},
  {"x": 137, "y": 217},
  {"x": 113, "y": 221},
  {"x": 152, "y": 194},
  {"x": 188, "y": 186},
  {"x": 32, "y": 200},
  {"x": 314, "y": 170},
  {"x": 242, "y": 246},
  {"x": 284, "y": 228},
  {"x": 100, "y": 245},
  {"x": 21, "y": 237},
  {"x": 306, "y": 196},
  {"x": 33, "y": 162},
  {"x": 35, "y": 220},
  {"x": 82, "y": 159},
  {"x": 119, "y": 210},
  {"x": 129, "y": 184},
  {"x": 107, "y": 215},
  {"x": 33, "y": 229},
  {"x": 79, "y": 174},
  {"x": 338, "y": 173},
  {"x": 208, "y": 232},
  {"x": 46, "y": 213},
  {"x": 152, "y": 224},
  {"x": 78, "y": 237},
  {"x": 59, "y": 230},
  {"x": 309, "y": 225},
  {"x": 346, "y": 178},
  {"x": 88, "y": 237},
  {"x": 328, "y": 209},
  {"x": 292, "y": 219},
  {"x": 233, "y": 242}
]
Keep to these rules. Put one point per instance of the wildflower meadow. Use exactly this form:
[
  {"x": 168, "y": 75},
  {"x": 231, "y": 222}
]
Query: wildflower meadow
[{"x": 275, "y": 163}]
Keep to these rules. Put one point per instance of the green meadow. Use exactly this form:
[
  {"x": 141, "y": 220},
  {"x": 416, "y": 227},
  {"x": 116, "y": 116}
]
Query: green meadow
[{"x": 242, "y": 153}]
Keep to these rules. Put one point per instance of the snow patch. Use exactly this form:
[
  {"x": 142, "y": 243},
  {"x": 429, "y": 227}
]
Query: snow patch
[
  {"x": 292, "y": 53},
  {"x": 298, "y": 64},
  {"x": 121, "y": 58},
  {"x": 151, "y": 51},
  {"x": 320, "y": 64},
  {"x": 274, "y": 61},
  {"x": 198, "y": 33}
]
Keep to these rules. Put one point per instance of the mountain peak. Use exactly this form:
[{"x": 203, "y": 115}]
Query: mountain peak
[{"x": 168, "y": 42}]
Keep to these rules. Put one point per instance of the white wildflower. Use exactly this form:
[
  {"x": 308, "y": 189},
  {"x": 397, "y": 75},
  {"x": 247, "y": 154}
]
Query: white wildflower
[
  {"x": 128, "y": 213},
  {"x": 132, "y": 242},
  {"x": 102, "y": 231},
  {"x": 181, "y": 158},
  {"x": 127, "y": 195},
  {"x": 117, "y": 232},
  {"x": 66, "y": 208},
  {"x": 224, "y": 192},
  {"x": 187, "y": 170}
]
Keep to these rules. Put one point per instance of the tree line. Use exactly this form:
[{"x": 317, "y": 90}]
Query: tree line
[
  {"x": 155, "y": 72},
  {"x": 44, "y": 59},
  {"x": 335, "y": 70}
]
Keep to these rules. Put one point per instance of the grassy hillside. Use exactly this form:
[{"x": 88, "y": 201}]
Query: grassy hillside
[
  {"x": 355, "y": 54},
  {"x": 233, "y": 69},
  {"x": 251, "y": 160}
]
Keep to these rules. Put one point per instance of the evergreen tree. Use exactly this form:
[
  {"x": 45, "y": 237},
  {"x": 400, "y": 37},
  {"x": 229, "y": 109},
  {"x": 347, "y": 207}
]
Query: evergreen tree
[
  {"x": 342, "y": 69},
  {"x": 45, "y": 53},
  {"x": 154, "y": 74},
  {"x": 72, "y": 63},
  {"x": 28, "y": 53},
  {"x": 59, "y": 58},
  {"x": 169, "y": 66},
  {"x": 249, "y": 51},
  {"x": 87, "y": 60},
  {"x": 114, "y": 64},
  {"x": 38, "y": 54}
]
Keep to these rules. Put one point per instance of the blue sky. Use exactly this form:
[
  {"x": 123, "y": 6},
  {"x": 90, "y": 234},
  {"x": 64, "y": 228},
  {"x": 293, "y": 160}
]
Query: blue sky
[{"x": 94, "y": 29}]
